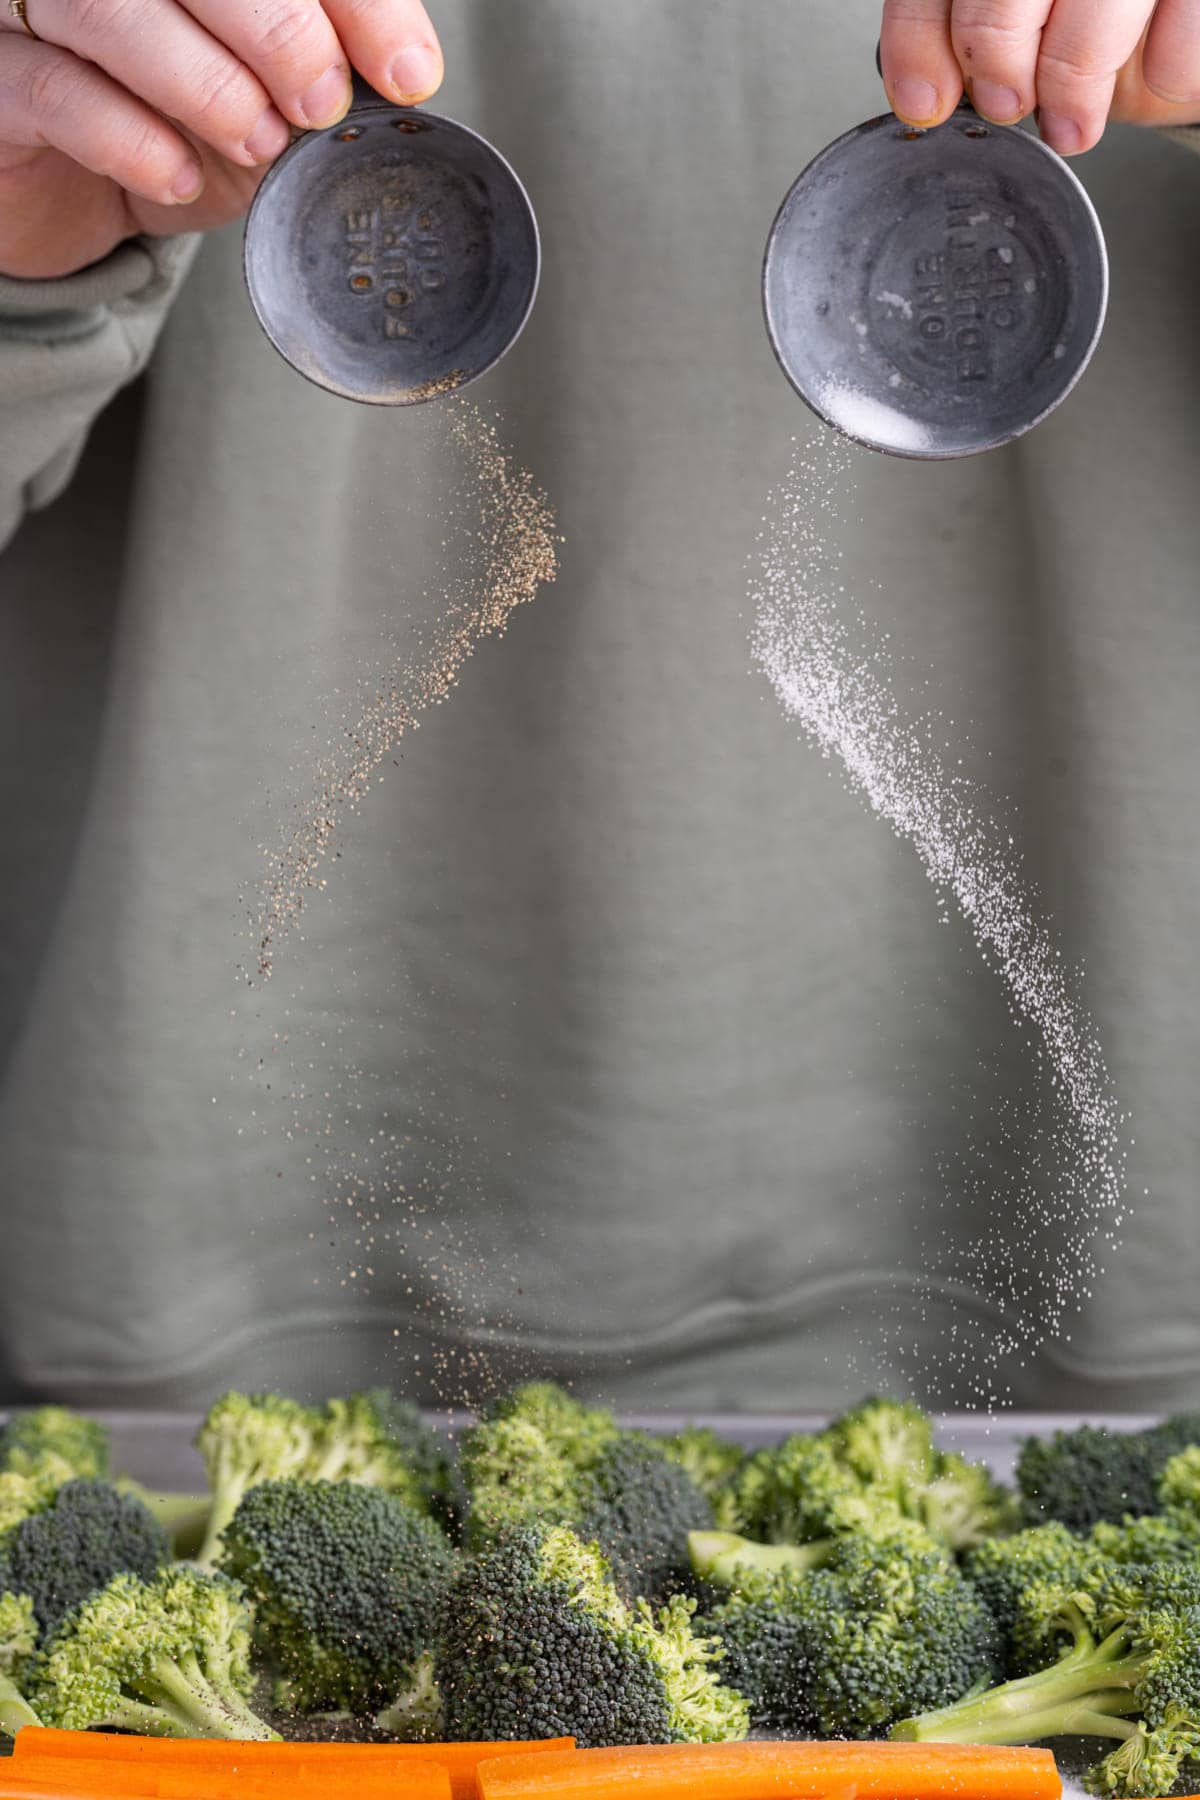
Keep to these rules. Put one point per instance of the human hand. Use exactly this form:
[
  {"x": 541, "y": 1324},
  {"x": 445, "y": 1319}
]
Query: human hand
[
  {"x": 1076, "y": 63},
  {"x": 128, "y": 116}
]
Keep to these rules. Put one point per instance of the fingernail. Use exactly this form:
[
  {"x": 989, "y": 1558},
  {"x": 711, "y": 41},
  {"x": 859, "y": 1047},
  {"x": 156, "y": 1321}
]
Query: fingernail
[
  {"x": 415, "y": 72},
  {"x": 1061, "y": 134},
  {"x": 328, "y": 99},
  {"x": 1000, "y": 104},
  {"x": 188, "y": 183},
  {"x": 915, "y": 100},
  {"x": 269, "y": 138}
]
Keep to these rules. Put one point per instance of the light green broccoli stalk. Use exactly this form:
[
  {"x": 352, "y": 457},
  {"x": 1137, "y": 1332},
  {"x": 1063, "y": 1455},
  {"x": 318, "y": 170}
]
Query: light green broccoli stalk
[{"x": 247, "y": 1439}]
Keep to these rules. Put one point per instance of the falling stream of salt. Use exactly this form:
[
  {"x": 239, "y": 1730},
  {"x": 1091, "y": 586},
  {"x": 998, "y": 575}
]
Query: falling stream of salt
[{"x": 845, "y": 706}]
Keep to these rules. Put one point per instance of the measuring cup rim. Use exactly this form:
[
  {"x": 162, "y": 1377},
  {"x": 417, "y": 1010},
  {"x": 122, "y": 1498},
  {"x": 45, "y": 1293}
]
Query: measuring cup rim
[{"x": 889, "y": 121}]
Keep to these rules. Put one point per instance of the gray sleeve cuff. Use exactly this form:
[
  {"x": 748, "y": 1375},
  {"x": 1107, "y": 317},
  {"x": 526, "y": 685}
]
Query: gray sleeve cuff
[{"x": 66, "y": 347}]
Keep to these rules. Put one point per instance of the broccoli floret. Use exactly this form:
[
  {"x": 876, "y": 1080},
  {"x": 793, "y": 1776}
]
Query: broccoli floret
[
  {"x": 795, "y": 1492},
  {"x": 888, "y": 1444},
  {"x": 869, "y": 1465},
  {"x": 713, "y": 1463},
  {"x": 50, "y": 1441},
  {"x": 18, "y": 1640},
  {"x": 642, "y": 1509},
  {"x": 431, "y": 1480},
  {"x": 531, "y": 1458},
  {"x": 761, "y": 1632},
  {"x": 21, "y": 1496},
  {"x": 60, "y": 1555},
  {"x": 167, "y": 1658},
  {"x": 1179, "y": 1485},
  {"x": 963, "y": 1505},
  {"x": 1155, "y": 1537},
  {"x": 1090, "y": 1473},
  {"x": 538, "y": 1643},
  {"x": 545, "y": 1458},
  {"x": 1129, "y": 1672},
  {"x": 247, "y": 1439},
  {"x": 348, "y": 1584},
  {"x": 842, "y": 1650},
  {"x": 1002, "y": 1571}
]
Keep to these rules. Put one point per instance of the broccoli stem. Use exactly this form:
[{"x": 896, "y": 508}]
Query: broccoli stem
[
  {"x": 1092, "y": 1681},
  {"x": 205, "y": 1711},
  {"x": 224, "y": 1504},
  {"x": 722, "y": 1556},
  {"x": 15, "y": 1710},
  {"x": 182, "y": 1516},
  {"x": 148, "y": 1718}
]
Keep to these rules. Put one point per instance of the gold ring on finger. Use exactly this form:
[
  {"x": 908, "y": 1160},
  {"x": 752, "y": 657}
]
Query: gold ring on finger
[{"x": 17, "y": 9}]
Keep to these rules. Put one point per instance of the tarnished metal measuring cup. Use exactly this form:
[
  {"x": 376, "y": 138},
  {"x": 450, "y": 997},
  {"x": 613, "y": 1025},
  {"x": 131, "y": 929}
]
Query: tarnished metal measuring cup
[
  {"x": 935, "y": 293},
  {"x": 393, "y": 257}
]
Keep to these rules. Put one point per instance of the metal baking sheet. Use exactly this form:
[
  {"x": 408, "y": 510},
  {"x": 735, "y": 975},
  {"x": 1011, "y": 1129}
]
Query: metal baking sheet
[{"x": 156, "y": 1447}]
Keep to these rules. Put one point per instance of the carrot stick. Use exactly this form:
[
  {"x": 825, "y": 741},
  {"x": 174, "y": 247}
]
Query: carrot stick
[
  {"x": 772, "y": 1770},
  {"x": 84, "y": 1780},
  {"x": 427, "y": 1778},
  {"x": 34, "y": 1746}
]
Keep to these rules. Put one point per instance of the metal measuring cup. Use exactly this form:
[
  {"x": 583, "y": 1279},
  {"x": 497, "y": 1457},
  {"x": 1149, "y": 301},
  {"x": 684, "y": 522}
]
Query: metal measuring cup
[
  {"x": 393, "y": 257},
  {"x": 935, "y": 293}
]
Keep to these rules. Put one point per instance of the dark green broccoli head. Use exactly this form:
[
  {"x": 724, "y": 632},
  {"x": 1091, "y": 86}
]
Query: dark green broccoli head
[
  {"x": 51, "y": 1441},
  {"x": 74, "y": 1547},
  {"x": 538, "y": 1643},
  {"x": 1004, "y": 1569},
  {"x": 841, "y": 1651},
  {"x": 713, "y": 1463},
  {"x": 642, "y": 1508},
  {"x": 887, "y": 1631},
  {"x": 1089, "y": 1474},
  {"x": 348, "y": 1585},
  {"x": 763, "y": 1630}
]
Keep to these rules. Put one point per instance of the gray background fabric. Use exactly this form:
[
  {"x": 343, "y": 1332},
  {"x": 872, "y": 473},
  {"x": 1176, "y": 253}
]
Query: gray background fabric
[{"x": 669, "y": 1024}]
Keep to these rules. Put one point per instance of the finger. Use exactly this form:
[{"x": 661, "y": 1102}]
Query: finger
[
  {"x": 996, "y": 43},
  {"x": 50, "y": 99},
  {"x": 292, "y": 47},
  {"x": 1171, "y": 60},
  {"x": 1083, "y": 46},
  {"x": 922, "y": 78},
  {"x": 392, "y": 43},
  {"x": 158, "y": 51}
]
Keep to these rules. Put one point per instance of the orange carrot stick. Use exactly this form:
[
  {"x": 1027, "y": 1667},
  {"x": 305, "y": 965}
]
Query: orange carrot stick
[
  {"x": 79, "y": 1779},
  {"x": 257, "y": 1780},
  {"x": 775, "y": 1770},
  {"x": 36, "y": 1745}
]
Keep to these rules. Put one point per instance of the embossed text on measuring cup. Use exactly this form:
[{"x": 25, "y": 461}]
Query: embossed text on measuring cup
[
  {"x": 395, "y": 261},
  {"x": 964, "y": 303}
]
